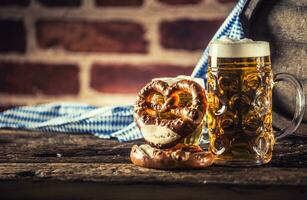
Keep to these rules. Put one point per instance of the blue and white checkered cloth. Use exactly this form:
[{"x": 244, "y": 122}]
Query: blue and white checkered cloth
[{"x": 107, "y": 122}]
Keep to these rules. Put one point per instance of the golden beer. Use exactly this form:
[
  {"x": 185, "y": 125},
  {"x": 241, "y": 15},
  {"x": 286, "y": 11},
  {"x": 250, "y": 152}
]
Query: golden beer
[
  {"x": 239, "y": 102},
  {"x": 243, "y": 132},
  {"x": 239, "y": 109}
]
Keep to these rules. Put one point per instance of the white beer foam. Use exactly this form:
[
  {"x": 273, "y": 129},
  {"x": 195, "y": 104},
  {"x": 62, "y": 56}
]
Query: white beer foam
[{"x": 230, "y": 48}]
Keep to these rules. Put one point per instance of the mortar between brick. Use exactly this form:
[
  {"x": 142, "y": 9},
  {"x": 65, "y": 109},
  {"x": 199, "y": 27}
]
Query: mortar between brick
[{"x": 89, "y": 12}]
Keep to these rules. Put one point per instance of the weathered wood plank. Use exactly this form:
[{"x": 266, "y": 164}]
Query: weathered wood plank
[
  {"x": 289, "y": 24},
  {"x": 51, "y": 190},
  {"x": 28, "y": 147},
  {"x": 34, "y": 147},
  {"x": 289, "y": 58},
  {"x": 130, "y": 174},
  {"x": 283, "y": 24},
  {"x": 287, "y": 3},
  {"x": 281, "y": 122},
  {"x": 35, "y": 156}
]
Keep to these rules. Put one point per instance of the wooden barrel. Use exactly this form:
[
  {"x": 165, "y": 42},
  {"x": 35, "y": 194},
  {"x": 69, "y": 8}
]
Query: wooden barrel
[{"x": 284, "y": 24}]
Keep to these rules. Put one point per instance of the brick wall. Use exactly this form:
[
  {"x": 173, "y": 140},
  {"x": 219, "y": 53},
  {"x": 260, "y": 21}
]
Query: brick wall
[{"x": 99, "y": 51}]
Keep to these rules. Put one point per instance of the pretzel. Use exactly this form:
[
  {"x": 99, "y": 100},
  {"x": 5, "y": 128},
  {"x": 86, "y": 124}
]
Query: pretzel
[
  {"x": 178, "y": 157},
  {"x": 170, "y": 119}
]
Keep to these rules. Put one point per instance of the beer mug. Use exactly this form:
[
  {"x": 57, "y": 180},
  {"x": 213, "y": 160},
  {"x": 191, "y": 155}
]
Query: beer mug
[{"x": 239, "y": 107}]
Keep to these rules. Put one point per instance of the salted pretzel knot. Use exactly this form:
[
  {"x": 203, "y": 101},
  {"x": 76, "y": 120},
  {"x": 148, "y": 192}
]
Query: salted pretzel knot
[{"x": 185, "y": 118}]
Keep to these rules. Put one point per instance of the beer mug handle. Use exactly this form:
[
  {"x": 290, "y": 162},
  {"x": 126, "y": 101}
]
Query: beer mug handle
[{"x": 300, "y": 103}]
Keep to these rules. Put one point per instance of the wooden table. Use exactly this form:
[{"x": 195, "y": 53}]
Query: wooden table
[{"x": 61, "y": 166}]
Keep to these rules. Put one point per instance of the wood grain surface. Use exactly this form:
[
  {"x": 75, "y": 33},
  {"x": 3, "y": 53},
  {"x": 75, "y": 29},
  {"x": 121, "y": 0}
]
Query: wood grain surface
[
  {"x": 37, "y": 162},
  {"x": 40, "y": 156}
]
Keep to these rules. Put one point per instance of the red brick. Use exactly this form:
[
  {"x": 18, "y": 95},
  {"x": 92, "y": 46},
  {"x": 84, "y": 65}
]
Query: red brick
[
  {"x": 227, "y": 1},
  {"x": 60, "y": 3},
  {"x": 12, "y": 36},
  {"x": 119, "y": 2},
  {"x": 179, "y": 2},
  {"x": 80, "y": 36},
  {"x": 187, "y": 34},
  {"x": 14, "y": 2},
  {"x": 38, "y": 78},
  {"x": 125, "y": 78}
]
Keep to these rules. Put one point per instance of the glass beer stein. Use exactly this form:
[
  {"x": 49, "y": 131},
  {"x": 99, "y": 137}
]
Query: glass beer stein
[{"x": 239, "y": 107}]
